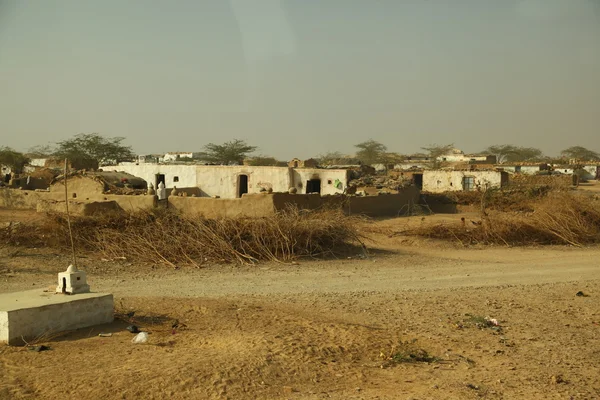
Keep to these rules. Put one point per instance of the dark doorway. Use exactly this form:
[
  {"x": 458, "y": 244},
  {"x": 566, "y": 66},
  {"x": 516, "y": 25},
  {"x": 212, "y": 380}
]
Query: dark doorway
[
  {"x": 242, "y": 185},
  {"x": 159, "y": 178},
  {"x": 313, "y": 186},
  {"x": 64, "y": 285},
  {"x": 418, "y": 181}
]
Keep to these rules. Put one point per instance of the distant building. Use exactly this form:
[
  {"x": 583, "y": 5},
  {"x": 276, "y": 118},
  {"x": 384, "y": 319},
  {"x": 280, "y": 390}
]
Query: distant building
[
  {"x": 178, "y": 155},
  {"x": 456, "y": 155},
  {"x": 439, "y": 181},
  {"x": 297, "y": 163}
]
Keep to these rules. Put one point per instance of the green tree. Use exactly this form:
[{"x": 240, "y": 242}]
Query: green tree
[
  {"x": 265, "y": 161},
  {"x": 13, "y": 159},
  {"x": 330, "y": 158},
  {"x": 580, "y": 153},
  {"x": 371, "y": 152},
  {"x": 232, "y": 152},
  {"x": 90, "y": 150},
  {"x": 510, "y": 153},
  {"x": 40, "y": 151},
  {"x": 435, "y": 151}
]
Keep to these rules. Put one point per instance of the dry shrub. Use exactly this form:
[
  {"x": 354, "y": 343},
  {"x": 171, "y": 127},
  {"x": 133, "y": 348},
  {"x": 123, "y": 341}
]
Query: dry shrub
[
  {"x": 559, "y": 218},
  {"x": 171, "y": 238}
]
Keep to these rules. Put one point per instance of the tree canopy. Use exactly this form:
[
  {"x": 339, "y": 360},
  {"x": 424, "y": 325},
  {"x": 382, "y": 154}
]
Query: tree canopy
[
  {"x": 371, "y": 152},
  {"x": 13, "y": 159},
  {"x": 580, "y": 153},
  {"x": 265, "y": 161},
  {"x": 330, "y": 158},
  {"x": 510, "y": 153},
  {"x": 232, "y": 152},
  {"x": 434, "y": 151},
  {"x": 90, "y": 150},
  {"x": 40, "y": 151}
]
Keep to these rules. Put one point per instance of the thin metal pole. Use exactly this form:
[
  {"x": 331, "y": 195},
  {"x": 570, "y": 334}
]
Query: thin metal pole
[{"x": 68, "y": 216}]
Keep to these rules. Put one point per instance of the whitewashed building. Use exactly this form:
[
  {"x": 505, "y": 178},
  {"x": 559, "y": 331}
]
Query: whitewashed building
[
  {"x": 439, "y": 181},
  {"x": 177, "y": 155},
  {"x": 233, "y": 181}
]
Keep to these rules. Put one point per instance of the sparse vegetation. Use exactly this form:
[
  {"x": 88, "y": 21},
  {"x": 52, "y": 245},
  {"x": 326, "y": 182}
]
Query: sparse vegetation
[
  {"x": 557, "y": 218},
  {"x": 169, "y": 238},
  {"x": 15, "y": 160},
  {"x": 407, "y": 352}
]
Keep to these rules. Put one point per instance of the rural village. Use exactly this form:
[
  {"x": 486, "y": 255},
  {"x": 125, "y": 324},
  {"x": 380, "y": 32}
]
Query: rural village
[
  {"x": 299, "y": 200},
  {"x": 371, "y": 275}
]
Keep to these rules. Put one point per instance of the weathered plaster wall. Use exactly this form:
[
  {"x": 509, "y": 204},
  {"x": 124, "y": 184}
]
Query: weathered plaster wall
[
  {"x": 27, "y": 199},
  {"x": 590, "y": 172},
  {"x": 21, "y": 199},
  {"x": 523, "y": 169},
  {"x": 254, "y": 205},
  {"x": 39, "y": 313},
  {"x": 385, "y": 205},
  {"x": 78, "y": 187},
  {"x": 222, "y": 181},
  {"x": 131, "y": 203},
  {"x": 185, "y": 174},
  {"x": 81, "y": 208},
  {"x": 439, "y": 181},
  {"x": 328, "y": 179}
]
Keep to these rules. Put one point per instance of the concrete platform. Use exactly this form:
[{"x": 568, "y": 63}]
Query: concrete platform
[{"x": 34, "y": 313}]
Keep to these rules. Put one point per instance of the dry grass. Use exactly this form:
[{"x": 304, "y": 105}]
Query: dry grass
[
  {"x": 170, "y": 238},
  {"x": 557, "y": 218}
]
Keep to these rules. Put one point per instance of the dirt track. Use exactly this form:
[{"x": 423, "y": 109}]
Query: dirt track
[
  {"x": 318, "y": 329},
  {"x": 412, "y": 269}
]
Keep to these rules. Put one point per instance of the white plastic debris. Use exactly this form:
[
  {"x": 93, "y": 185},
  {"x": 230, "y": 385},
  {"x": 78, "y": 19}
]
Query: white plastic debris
[{"x": 141, "y": 337}]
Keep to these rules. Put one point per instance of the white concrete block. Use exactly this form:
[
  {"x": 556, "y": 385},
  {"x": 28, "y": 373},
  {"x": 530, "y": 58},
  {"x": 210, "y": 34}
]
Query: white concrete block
[{"x": 34, "y": 313}]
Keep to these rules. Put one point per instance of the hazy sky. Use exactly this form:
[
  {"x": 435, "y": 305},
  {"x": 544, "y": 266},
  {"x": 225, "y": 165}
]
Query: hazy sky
[{"x": 301, "y": 77}]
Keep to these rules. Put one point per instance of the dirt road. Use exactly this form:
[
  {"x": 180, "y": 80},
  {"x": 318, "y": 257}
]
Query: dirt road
[
  {"x": 412, "y": 269},
  {"x": 341, "y": 329}
]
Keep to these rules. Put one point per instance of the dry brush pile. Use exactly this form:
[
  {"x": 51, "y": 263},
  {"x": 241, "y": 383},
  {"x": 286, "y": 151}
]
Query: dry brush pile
[
  {"x": 566, "y": 218},
  {"x": 170, "y": 238}
]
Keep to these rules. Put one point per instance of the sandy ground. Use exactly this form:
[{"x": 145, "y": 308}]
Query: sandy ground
[{"x": 325, "y": 329}]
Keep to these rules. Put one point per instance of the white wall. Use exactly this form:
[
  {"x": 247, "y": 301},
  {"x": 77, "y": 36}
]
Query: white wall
[
  {"x": 590, "y": 171},
  {"x": 412, "y": 165},
  {"x": 222, "y": 180},
  {"x": 38, "y": 162},
  {"x": 460, "y": 158},
  {"x": 4, "y": 170},
  {"x": 524, "y": 169},
  {"x": 327, "y": 176},
  {"x": 439, "y": 181},
  {"x": 176, "y": 156},
  {"x": 186, "y": 174}
]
